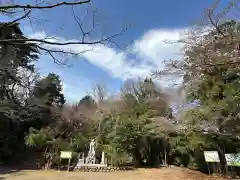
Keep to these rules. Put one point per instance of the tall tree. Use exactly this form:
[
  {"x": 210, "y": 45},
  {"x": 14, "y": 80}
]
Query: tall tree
[
  {"x": 211, "y": 78},
  {"x": 14, "y": 58},
  {"x": 50, "y": 89},
  {"x": 88, "y": 102}
]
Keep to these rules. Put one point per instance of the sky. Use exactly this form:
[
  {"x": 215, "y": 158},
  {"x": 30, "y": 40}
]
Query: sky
[{"x": 139, "y": 51}]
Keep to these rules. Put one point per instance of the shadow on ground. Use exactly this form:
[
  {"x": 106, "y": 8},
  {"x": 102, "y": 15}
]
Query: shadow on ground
[{"x": 4, "y": 170}]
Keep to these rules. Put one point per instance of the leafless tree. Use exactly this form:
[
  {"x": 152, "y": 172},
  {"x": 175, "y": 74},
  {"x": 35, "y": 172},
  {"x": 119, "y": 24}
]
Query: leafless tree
[
  {"x": 24, "y": 88},
  {"x": 211, "y": 46},
  {"x": 99, "y": 92},
  {"x": 53, "y": 45},
  {"x": 206, "y": 46}
]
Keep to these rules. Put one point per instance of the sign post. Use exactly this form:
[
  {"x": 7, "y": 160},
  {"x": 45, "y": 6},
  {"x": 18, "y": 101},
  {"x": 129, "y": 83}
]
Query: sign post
[
  {"x": 233, "y": 159},
  {"x": 211, "y": 157},
  {"x": 66, "y": 155}
]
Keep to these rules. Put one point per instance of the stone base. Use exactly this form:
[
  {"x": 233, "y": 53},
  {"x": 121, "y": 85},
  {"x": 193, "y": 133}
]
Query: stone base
[
  {"x": 100, "y": 168},
  {"x": 92, "y": 165},
  {"x": 81, "y": 161},
  {"x": 80, "y": 166}
]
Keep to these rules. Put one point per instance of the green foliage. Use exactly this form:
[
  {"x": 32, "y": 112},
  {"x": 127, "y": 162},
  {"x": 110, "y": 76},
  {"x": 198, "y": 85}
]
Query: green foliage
[
  {"x": 50, "y": 89},
  {"x": 37, "y": 137},
  {"x": 129, "y": 132},
  {"x": 192, "y": 162},
  {"x": 79, "y": 143},
  {"x": 115, "y": 155},
  {"x": 48, "y": 140},
  {"x": 87, "y": 102},
  {"x": 211, "y": 78},
  {"x": 179, "y": 144},
  {"x": 216, "y": 85},
  {"x": 142, "y": 127},
  {"x": 15, "y": 59},
  {"x": 11, "y": 146}
]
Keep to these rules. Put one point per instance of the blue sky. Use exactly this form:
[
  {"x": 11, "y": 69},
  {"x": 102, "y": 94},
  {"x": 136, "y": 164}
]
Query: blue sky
[{"x": 151, "y": 22}]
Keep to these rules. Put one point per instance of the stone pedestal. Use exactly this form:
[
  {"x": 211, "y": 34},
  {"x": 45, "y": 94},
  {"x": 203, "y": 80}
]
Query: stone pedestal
[
  {"x": 103, "y": 158},
  {"x": 80, "y": 163}
]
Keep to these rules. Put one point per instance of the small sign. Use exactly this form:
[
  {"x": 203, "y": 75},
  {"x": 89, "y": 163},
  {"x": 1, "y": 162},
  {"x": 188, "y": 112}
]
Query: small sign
[
  {"x": 66, "y": 154},
  {"x": 233, "y": 159},
  {"x": 211, "y": 156}
]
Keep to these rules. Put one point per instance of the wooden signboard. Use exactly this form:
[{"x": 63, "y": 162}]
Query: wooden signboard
[
  {"x": 211, "y": 156},
  {"x": 233, "y": 159},
  {"x": 66, "y": 155}
]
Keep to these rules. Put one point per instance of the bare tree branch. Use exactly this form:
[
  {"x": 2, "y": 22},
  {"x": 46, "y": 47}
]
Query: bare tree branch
[
  {"x": 63, "y": 51},
  {"x": 215, "y": 24},
  {"x": 101, "y": 41},
  {"x": 28, "y": 6},
  {"x": 56, "y": 60},
  {"x": 80, "y": 24},
  {"x": 20, "y": 18},
  {"x": 52, "y": 45}
]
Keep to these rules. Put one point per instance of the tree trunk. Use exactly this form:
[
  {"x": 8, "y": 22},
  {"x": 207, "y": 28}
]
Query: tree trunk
[
  {"x": 165, "y": 151},
  {"x": 136, "y": 158}
]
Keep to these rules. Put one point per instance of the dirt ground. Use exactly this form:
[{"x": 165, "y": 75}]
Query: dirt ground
[{"x": 140, "y": 174}]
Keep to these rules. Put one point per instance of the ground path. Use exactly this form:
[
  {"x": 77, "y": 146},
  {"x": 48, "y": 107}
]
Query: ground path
[{"x": 140, "y": 174}]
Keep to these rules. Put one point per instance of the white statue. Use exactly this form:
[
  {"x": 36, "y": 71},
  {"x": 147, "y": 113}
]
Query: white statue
[
  {"x": 92, "y": 147},
  {"x": 91, "y": 153}
]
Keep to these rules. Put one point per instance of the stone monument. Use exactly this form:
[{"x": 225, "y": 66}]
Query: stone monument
[
  {"x": 91, "y": 159},
  {"x": 81, "y": 160},
  {"x": 91, "y": 153}
]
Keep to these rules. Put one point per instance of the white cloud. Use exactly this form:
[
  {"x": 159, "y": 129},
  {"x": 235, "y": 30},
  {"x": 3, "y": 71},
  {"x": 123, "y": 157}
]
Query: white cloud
[
  {"x": 159, "y": 44},
  {"x": 149, "y": 51},
  {"x": 144, "y": 56}
]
